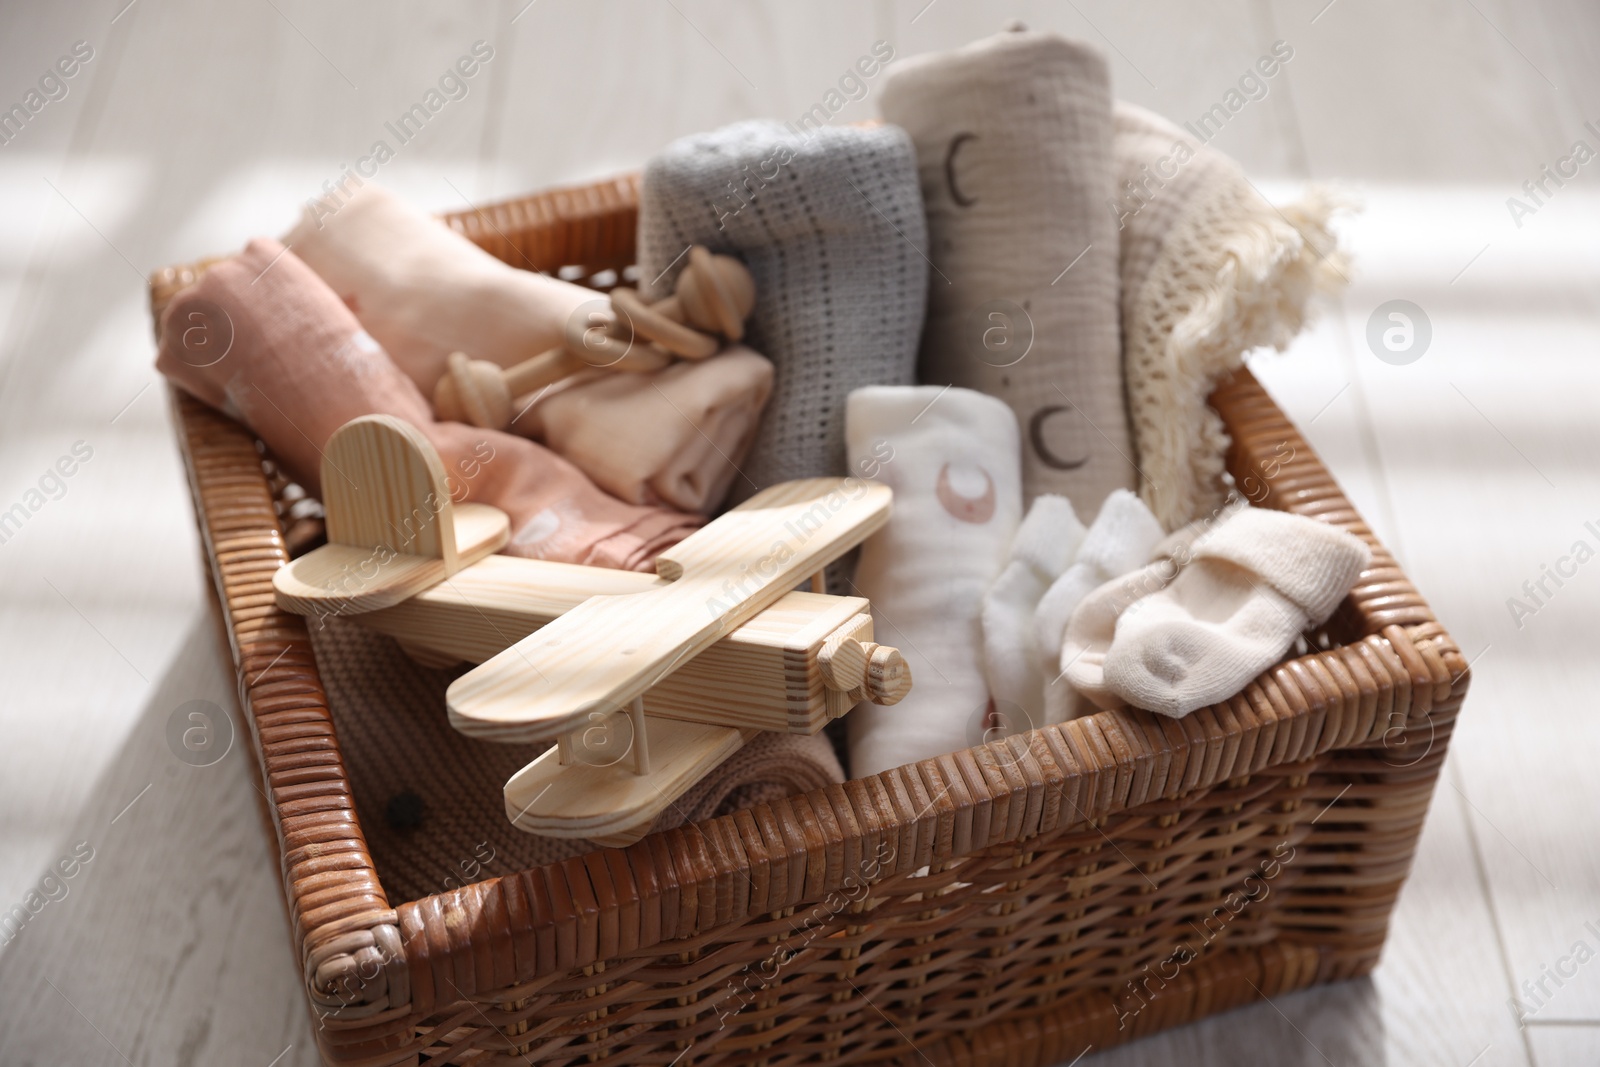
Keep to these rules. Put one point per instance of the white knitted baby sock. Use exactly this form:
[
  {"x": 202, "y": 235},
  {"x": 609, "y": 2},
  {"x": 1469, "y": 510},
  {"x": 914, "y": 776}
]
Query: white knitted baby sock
[
  {"x": 1013, "y": 137},
  {"x": 951, "y": 456},
  {"x": 1091, "y": 631},
  {"x": 1014, "y": 664},
  {"x": 1255, "y": 582},
  {"x": 1081, "y": 685},
  {"x": 830, "y": 223},
  {"x": 1119, "y": 540}
]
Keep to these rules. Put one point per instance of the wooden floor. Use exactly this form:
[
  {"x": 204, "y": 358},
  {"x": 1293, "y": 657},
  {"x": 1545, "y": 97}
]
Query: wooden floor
[{"x": 195, "y": 126}]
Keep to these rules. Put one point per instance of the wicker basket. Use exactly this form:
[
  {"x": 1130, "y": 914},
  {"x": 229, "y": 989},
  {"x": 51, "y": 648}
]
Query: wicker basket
[{"x": 1010, "y": 904}]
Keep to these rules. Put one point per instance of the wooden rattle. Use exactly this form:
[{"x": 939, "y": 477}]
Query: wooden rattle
[{"x": 715, "y": 293}]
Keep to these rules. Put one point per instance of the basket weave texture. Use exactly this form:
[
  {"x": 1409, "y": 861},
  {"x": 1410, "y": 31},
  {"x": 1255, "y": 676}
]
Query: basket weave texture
[{"x": 1009, "y": 904}]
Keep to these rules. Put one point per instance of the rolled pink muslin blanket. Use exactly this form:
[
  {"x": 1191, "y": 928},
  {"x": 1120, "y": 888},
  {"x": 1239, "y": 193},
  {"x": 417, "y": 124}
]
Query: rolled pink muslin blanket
[
  {"x": 425, "y": 291},
  {"x": 263, "y": 338},
  {"x": 671, "y": 437},
  {"x": 674, "y": 437}
]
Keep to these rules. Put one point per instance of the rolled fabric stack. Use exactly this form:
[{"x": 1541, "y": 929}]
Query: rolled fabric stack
[
  {"x": 672, "y": 437},
  {"x": 295, "y": 365}
]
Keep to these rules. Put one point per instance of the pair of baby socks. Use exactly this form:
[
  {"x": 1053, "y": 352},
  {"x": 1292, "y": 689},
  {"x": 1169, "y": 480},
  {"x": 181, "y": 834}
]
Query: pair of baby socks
[
  {"x": 1212, "y": 612},
  {"x": 1053, "y": 563},
  {"x": 1013, "y": 136},
  {"x": 981, "y": 603},
  {"x": 830, "y": 223},
  {"x": 951, "y": 457}
]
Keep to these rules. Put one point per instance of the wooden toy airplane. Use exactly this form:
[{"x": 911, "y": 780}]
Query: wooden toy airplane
[{"x": 676, "y": 670}]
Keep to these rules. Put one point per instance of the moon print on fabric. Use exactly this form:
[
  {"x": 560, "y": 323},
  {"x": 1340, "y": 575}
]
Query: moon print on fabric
[
  {"x": 1041, "y": 448},
  {"x": 956, "y": 194},
  {"x": 974, "y": 509}
]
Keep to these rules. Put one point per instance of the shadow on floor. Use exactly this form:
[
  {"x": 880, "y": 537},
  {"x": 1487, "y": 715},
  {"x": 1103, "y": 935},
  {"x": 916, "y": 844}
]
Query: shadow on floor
[{"x": 1333, "y": 1024}]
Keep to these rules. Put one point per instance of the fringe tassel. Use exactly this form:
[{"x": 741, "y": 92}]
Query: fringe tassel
[{"x": 1255, "y": 290}]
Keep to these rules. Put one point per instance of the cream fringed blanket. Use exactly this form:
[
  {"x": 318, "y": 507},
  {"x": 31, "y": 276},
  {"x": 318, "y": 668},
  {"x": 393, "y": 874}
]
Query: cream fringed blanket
[{"x": 1210, "y": 270}]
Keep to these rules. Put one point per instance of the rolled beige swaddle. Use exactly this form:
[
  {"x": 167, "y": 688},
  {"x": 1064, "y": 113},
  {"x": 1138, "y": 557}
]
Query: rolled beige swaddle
[
  {"x": 674, "y": 437},
  {"x": 425, "y": 291},
  {"x": 1013, "y": 139}
]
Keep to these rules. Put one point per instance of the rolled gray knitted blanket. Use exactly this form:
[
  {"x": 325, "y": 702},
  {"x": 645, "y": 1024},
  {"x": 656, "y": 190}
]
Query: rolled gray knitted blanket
[{"x": 830, "y": 223}]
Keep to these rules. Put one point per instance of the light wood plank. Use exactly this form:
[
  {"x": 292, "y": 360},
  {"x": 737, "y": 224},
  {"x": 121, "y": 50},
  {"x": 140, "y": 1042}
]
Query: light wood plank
[
  {"x": 1442, "y": 990},
  {"x": 1492, "y": 432},
  {"x": 393, "y": 528},
  {"x": 199, "y": 128},
  {"x": 383, "y": 484},
  {"x": 764, "y": 675},
  {"x": 596, "y": 794},
  {"x": 1573, "y": 1045},
  {"x": 171, "y": 945},
  {"x": 349, "y": 579},
  {"x": 1384, "y": 91},
  {"x": 609, "y": 650}
]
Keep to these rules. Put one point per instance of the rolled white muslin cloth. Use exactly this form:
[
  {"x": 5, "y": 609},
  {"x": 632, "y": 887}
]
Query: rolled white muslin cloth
[{"x": 951, "y": 457}]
